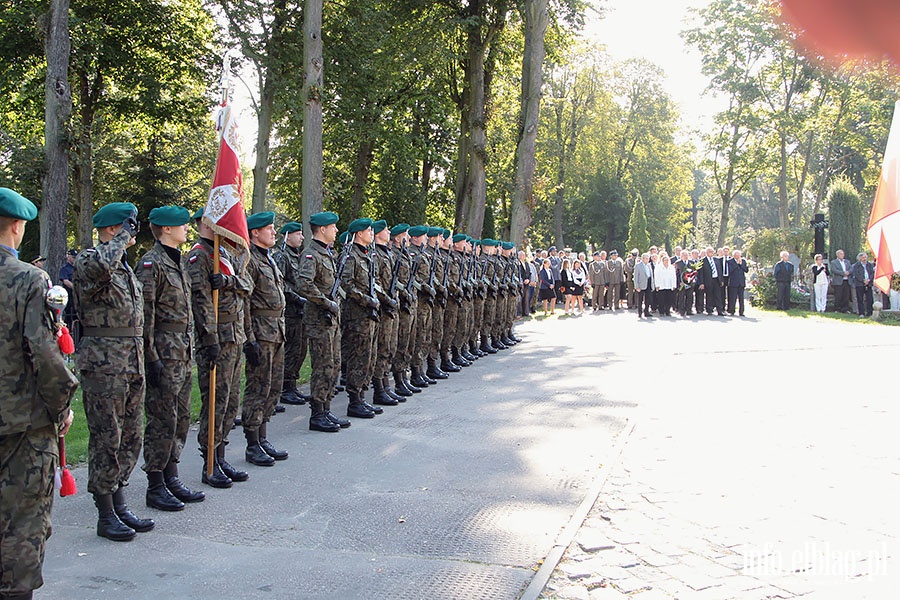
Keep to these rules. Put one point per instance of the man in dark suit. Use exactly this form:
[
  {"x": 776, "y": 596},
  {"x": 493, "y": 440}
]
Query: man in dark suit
[
  {"x": 784, "y": 274},
  {"x": 840, "y": 282},
  {"x": 861, "y": 275},
  {"x": 711, "y": 279},
  {"x": 737, "y": 281}
]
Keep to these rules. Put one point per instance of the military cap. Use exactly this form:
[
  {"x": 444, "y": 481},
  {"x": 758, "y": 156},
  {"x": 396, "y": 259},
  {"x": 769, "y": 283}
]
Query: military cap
[
  {"x": 291, "y": 227},
  {"x": 169, "y": 216},
  {"x": 198, "y": 214},
  {"x": 596, "y": 253},
  {"x": 447, "y": 233},
  {"x": 359, "y": 225},
  {"x": 343, "y": 237},
  {"x": 16, "y": 206},
  {"x": 113, "y": 213},
  {"x": 399, "y": 228},
  {"x": 611, "y": 252},
  {"x": 379, "y": 226},
  {"x": 435, "y": 231},
  {"x": 260, "y": 220},
  {"x": 418, "y": 230},
  {"x": 72, "y": 252},
  {"x": 459, "y": 237},
  {"x": 38, "y": 258},
  {"x": 323, "y": 218},
  {"x": 634, "y": 252},
  {"x": 552, "y": 248}
]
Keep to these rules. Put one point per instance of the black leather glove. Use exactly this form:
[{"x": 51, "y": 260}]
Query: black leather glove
[
  {"x": 210, "y": 353},
  {"x": 131, "y": 225},
  {"x": 253, "y": 353},
  {"x": 390, "y": 304},
  {"x": 332, "y": 307},
  {"x": 154, "y": 371},
  {"x": 371, "y": 302},
  {"x": 218, "y": 281}
]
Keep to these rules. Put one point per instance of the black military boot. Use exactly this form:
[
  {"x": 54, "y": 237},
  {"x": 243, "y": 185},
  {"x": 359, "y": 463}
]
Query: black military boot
[
  {"x": 339, "y": 421},
  {"x": 290, "y": 395},
  {"x": 356, "y": 408},
  {"x": 496, "y": 344},
  {"x": 448, "y": 366},
  {"x": 457, "y": 359},
  {"x": 109, "y": 525},
  {"x": 432, "y": 372},
  {"x": 380, "y": 395},
  {"x": 474, "y": 351},
  {"x": 342, "y": 382},
  {"x": 230, "y": 472},
  {"x": 319, "y": 421},
  {"x": 254, "y": 454},
  {"x": 159, "y": 496},
  {"x": 417, "y": 379},
  {"x": 386, "y": 383},
  {"x": 128, "y": 517},
  {"x": 507, "y": 340},
  {"x": 487, "y": 348},
  {"x": 513, "y": 337},
  {"x": 178, "y": 489},
  {"x": 400, "y": 386},
  {"x": 218, "y": 479},
  {"x": 267, "y": 446}
]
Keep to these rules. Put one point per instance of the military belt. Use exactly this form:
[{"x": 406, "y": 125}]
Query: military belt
[
  {"x": 113, "y": 332},
  {"x": 173, "y": 327},
  {"x": 227, "y": 318},
  {"x": 267, "y": 313}
]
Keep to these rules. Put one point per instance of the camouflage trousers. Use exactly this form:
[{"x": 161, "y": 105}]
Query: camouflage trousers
[
  {"x": 27, "y": 463},
  {"x": 358, "y": 342},
  {"x": 387, "y": 344},
  {"x": 228, "y": 394},
  {"x": 325, "y": 360},
  {"x": 406, "y": 339},
  {"x": 463, "y": 329},
  {"x": 487, "y": 321},
  {"x": 168, "y": 416},
  {"x": 423, "y": 331},
  {"x": 113, "y": 407},
  {"x": 477, "y": 317},
  {"x": 295, "y": 344},
  {"x": 451, "y": 316},
  {"x": 437, "y": 330},
  {"x": 262, "y": 387}
]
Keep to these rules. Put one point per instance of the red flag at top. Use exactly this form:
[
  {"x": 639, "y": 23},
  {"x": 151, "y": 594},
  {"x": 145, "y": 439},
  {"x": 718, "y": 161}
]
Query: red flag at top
[
  {"x": 224, "y": 210},
  {"x": 883, "y": 233}
]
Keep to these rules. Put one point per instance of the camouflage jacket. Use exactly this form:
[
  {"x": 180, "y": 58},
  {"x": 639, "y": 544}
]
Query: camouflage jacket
[
  {"x": 355, "y": 282},
  {"x": 488, "y": 266},
  {"x": 440, "y": 265},
  {"x": 457, "y": 273},
  {"x": 35, "y": 385},
  {"x": 384, "y": 259},
  {"x": 317, "y": 274},
  {"x": 109, "y": 301},
  {"x": 228, "y": 325},
  {"x": 423, "y": 259},
  {"x": 267, "y": 298},
  {"x": 288, "y": 261},
  {"x": 167, "y": 306},
  {"x": 407, "y": 294}
]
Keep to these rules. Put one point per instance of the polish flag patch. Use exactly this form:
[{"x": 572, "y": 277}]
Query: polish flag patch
[{"x": 147, "y": 264}]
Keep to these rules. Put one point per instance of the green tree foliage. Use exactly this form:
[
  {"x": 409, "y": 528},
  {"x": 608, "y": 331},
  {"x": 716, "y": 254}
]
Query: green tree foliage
[
  {"x": 638, "y": 237},
  {"x": 844, "y": 218}
]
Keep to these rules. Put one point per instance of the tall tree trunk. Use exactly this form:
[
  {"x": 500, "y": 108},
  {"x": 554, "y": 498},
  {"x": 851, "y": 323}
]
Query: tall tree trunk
[
  {"x": 84, "y": 165},
  {"x": 365, "y": 153},
  {"x": 263, "y": 136},
  {"x": 461, "y": 220},
  {"x": 477, "y": 181},
  {"x": 536, "y": 21},
  {"x": 57, "y": 112},
  {"x": 783, "y": 202},
  {"x": 312, "y": 111}
]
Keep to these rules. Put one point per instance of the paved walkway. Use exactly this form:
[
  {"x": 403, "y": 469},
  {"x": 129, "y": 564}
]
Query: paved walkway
[
  {"x": 762, "y": 462},
  {"x": 723, "y": 447}
]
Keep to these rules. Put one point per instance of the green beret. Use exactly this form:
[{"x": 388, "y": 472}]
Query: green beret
[
  {"x": 399, "y": 228},
  {"x": 447, "y": 233},
  {"x": 260, "y": 220},
  {"x": 459, "y": 237},
  {"x": 291, "y": 227},
  {"x": 476, "y": 242},
  {"x": 198, "y": 214},
  {"x": 359, "y": 225},
  {"x": 16, "y": 206},
  {"x": 343, "y": 237},
  {"x": 379, "y": 226},
  {"x": 323, "y": 218},
  {"x": 113, "y": 213},
  {"x": 435, "y": 231},
  {"x": 418, "y": 230},
  {"x": 487, "y": 242},
  {"x": 507, "y": 245},
  {"x": 169, "y": 216}
]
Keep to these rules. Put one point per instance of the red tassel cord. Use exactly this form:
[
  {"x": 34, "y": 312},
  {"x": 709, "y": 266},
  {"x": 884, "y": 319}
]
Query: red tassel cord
[{"x": 67, "y": 481}]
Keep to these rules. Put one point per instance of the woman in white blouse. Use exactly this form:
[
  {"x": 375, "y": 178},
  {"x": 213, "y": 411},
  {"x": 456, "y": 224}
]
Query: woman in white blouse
[
  {"x": 579, "y": 279},
  {"x": 666, "y": 280}
]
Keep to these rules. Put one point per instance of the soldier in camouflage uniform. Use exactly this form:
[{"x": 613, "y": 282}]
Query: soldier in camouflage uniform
[
  {"x": 34, "y": 406},
  {"x": 321, "y": 318},
  {"x": 479, "y": 291},
  {"x": 218, "y": 337},
  {"x": 359, "y": 314},
  {"x": 490, "y": 274},
  {"x": 450, "y": 281},
  {"x": 406, "y": 335},
  {"x": 439, "y": 263},
  {"x": 422, "y": 262},
  {"x": 295, "y": 342},
  {"x": 167, "y": 358},
  {"x": 386, "y": 346},
  {"x": 455, "y": 314},
  {"x": 264, "y": 348},
  {"x": 111, "y": 362}
]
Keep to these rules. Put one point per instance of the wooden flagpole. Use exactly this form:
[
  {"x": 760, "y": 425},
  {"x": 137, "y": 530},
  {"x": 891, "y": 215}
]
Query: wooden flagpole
[{"x": 211, "y": 409}]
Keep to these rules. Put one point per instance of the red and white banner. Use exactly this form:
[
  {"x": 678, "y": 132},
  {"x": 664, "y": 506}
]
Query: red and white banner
[
  {"x": 883, "y": 233},
  {"x": 224, "y": 210}
]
